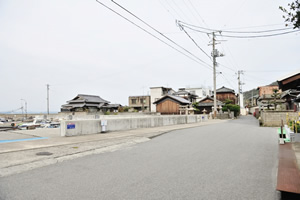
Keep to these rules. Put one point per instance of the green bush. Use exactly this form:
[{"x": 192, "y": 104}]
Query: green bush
[
  {"x": 294, "y": 125},
  {"x": 232, "y": 107},
  {"x": 126, "y": 108}
]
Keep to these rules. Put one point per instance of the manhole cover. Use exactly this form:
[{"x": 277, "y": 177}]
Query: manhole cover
[{"x": 44, "y": 154}]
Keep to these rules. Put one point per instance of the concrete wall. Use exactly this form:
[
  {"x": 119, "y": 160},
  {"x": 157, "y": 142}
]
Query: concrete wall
[
  {"x": 83, "y": 127},
  {"x": 225, "y": 115},
  {"x": 273, "y": 118}
]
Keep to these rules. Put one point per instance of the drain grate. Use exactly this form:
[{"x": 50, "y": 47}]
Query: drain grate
[{"x": 44, "y": 154}]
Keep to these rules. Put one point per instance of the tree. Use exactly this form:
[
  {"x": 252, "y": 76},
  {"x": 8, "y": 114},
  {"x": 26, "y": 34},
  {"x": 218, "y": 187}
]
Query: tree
[
  {"x": 194, "y": 105},
  {"x": 229, "y": 106},
  {"x": 292, "y": 14},
  {"x": 276, "y": 96}
]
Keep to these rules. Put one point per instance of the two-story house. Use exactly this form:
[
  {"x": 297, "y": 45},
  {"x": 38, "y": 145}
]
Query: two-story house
[
  {"x": 140, "y": 103},
  {"x": 157, "y": 93}
]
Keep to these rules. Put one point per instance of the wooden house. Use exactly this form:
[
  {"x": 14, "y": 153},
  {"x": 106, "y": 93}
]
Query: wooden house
[
  {"x": 170, "y": 104},
  {"x": 206, "y": 105},
  {"x": 291, "y": 81},
  {"x": 290, "y": 85},
  {"x": 225, "y": 93},
  {"x": 85, "y": 103}
]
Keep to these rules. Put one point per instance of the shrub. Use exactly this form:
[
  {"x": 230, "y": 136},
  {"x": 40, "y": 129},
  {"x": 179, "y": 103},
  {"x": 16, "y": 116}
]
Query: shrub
[
  {"x": 126, "y": 108},
  {"x": 232, "y": 107}
]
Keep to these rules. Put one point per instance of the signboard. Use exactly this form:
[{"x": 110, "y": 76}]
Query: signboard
[
  {"x": 103, "y": 122},
  {"x": 70, "y": 126}
]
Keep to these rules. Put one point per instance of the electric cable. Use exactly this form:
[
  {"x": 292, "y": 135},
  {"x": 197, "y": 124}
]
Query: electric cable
[
  {"x": 156, "y": 31},
  {"x": 242, "y": 32},
  {"x": 196, "y": 60},
  {"x": 194, "y": 41},
  {"x": 245, "y": 37}
]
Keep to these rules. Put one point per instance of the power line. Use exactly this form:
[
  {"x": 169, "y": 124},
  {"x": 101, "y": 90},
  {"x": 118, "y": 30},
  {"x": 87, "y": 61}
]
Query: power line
[
  {"x": 247, "y": 27},
  {"x": 191, "y": 11},
  {"x": 182, "y": 24},
  {"x": 233, "y": 61},
  {"x": 197, "y": 13},
  {"x": 173, "y": 9},
  {"x": 227, "y": 80},
  {"x": 167, "y": 9},
  {"x": 241, "y": 32},
  {"x": 227, "y": 67},
  {"x": 185, "y": 16},
  {"x": 268, "y": 71},
  {"x": 158, "y": 31},
  {"x": 245, "y": 37},
  {"x": 260, "y": 36},
  {"x": 193, "y": 41},
  {"x": 196, "y": 60}
]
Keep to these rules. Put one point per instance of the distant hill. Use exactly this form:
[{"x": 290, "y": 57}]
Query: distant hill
[
  {"x": 249, "y": 93},
  {"x": 274, "y": 83}
]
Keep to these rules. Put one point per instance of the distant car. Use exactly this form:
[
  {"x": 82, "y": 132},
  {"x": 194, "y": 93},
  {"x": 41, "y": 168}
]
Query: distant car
[{"x": 3, "y": 120}]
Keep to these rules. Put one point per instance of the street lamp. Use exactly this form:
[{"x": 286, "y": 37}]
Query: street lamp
[{"x": 25, "y": 107}]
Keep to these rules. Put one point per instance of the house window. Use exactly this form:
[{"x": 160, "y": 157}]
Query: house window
[{"x": 133, "y": 101}]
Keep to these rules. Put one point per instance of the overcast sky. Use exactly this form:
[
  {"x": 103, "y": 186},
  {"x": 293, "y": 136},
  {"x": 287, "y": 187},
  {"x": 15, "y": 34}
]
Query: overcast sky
[{"x": 81, "y": 47}]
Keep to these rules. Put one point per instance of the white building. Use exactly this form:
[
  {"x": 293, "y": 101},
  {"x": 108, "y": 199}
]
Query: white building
[
  {"x": 200, "y": 92},
  {"x": 158, "y": 92}
]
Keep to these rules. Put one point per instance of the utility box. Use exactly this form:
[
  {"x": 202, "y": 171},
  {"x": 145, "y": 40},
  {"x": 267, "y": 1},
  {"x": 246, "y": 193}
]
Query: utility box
[{"x": 103, "y": 125}]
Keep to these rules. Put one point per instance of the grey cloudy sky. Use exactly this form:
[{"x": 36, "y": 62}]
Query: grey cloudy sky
[{"x": 80, "y": 47}]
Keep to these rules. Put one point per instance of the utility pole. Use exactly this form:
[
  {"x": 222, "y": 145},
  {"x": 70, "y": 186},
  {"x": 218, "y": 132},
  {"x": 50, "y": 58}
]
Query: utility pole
[
  {"x": 25, "y": 107},
  {"x": 48, "y": 99},
  {"x": 252, "y": 99},
  {"x": 239, "y": 86},
  {"x": 215, "y": 54},
  {"x": 214, "y": 71},
  {"x": 22, "y": 108}
]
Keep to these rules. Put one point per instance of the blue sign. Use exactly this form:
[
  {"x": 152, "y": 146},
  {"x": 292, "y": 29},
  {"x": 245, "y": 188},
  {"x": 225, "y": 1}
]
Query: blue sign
[{"x": 70, "y": 126}]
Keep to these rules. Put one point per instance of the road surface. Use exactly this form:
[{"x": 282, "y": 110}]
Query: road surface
[{"x": 232, "y": 160}]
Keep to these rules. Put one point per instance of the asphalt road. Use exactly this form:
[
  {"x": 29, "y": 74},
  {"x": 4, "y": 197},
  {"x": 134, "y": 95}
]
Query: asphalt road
[{"x": 232, "y": 160}]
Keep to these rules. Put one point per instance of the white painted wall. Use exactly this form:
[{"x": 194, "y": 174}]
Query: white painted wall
[
  {"x": 155, "y": 93},
  {"x": 201, "y": 92}
]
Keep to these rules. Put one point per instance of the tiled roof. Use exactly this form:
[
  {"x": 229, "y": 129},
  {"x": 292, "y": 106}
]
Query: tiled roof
[
  {"x": 112, "y": 106},
  {"x": 224, "y": 90},
  {"x": 289, "y": 75},
  {"x": 184, "y": 92},
  {"x": 207, "y": 97},
  {"x": 176, "y": 98},
  {"x": 219, "y": 103},
  {"x": 87, "y": 98}
]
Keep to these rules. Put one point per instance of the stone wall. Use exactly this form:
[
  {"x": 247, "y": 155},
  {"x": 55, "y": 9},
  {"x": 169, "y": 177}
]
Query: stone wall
[{"x": 273, "y": 118}]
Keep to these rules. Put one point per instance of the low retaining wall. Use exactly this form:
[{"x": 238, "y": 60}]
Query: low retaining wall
[
  {"x": 84, "y": 127},
  {"x": 273, "y": 118}
]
